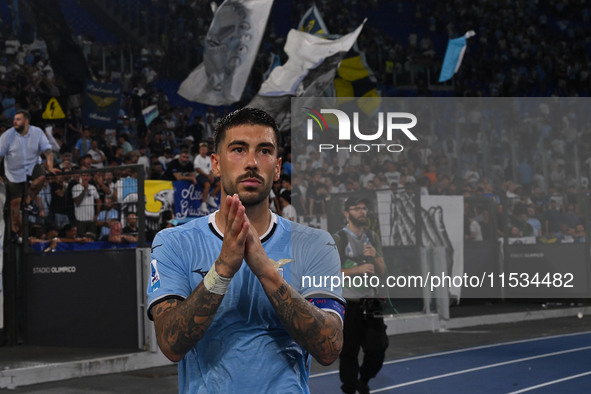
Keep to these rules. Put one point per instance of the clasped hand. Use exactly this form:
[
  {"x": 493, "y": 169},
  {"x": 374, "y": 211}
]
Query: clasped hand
[{"x": 241, "y": 242}]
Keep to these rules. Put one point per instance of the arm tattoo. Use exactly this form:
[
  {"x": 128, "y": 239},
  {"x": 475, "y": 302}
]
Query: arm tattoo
[
  {"x": 181, "y": 324},
  {"x": 317, "y": 331}
]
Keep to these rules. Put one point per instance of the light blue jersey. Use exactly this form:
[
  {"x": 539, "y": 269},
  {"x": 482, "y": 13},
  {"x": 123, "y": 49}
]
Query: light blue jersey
[
  {"x": 22, "y": 153},
  {"x": 246, "y": 349}
]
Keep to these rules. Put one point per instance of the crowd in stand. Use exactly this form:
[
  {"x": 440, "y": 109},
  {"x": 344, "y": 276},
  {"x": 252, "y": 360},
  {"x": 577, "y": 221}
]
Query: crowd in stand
[{"x": 521, "y": 49}]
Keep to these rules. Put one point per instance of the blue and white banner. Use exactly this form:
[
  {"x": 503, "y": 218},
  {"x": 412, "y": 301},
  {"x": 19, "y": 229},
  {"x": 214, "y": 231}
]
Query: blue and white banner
[
  {"x": 231, "y": 46},
  {"x": 187, "y": 200},
  {"x": 150, "y": 113},
  {"x": 453, "y": 56}
]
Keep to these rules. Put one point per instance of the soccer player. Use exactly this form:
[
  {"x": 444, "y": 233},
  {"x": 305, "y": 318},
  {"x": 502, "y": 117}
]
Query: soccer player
[{"x": 227, "y": 291}]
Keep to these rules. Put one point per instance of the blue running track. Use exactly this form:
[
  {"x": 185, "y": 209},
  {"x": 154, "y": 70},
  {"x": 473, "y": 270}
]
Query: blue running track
[{"x": 557, "y": 364}]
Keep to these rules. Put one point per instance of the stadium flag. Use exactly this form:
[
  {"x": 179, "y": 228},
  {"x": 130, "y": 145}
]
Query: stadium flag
[
  {"x": 453, "y": 56},
  {"x": 53, "y": 110},
  {"x": 306, "y": 52},
  {"x": 150, "y": 113},
  {"x": 313, "y": 23},
  {"x": 101, "y": 103},
  {"x": 309, "y": 71},
  {"x": 356, "y": 79},
  {"x": 231, "y": 46},
  {"x": 274, "y": 61}
]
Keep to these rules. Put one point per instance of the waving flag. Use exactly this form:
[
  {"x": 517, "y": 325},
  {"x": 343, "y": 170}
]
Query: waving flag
[
  {"x": 231, "y": 46},
  {"x": 453, "y": 56},
  {"x": 150, "y": 113},
  {"x": 309, "y": 71},
  {"x": 355, "y": 79},
  {"x": 313, "y": 23},
  {"x": 306, "y": 52}
]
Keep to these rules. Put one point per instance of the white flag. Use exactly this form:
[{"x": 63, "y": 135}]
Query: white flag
[
  {"x": 306, "y": 52},
  {"x": 310, "y": 70},
  {"x": 231, "y": 45}
]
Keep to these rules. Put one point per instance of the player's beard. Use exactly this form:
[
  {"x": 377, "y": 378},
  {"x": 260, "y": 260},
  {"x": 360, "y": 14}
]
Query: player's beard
[
  {"x": 248, "y": 197},
  {"x": 358, "y": 222},
  {"x": 20, "y": 128}
]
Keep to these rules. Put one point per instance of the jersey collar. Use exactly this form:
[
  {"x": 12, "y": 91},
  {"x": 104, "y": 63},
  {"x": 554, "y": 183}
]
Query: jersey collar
[{"x": 218, "y": 233}]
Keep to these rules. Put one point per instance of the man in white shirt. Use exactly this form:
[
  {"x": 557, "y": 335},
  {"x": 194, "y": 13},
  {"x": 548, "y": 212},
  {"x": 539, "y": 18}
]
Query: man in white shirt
[
  {"x": 98, "y": 157},
  {"x": 85, "y": 197},
  {"x": 287, "y": 210},
  {"x": 205, "y": 178}
]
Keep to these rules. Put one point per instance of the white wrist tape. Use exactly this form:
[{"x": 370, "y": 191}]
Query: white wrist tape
[{"x": 215, "y": 283}]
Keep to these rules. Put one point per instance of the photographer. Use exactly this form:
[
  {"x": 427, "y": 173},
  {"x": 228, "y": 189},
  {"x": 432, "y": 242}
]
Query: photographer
[{"x": 360, "y": 251}]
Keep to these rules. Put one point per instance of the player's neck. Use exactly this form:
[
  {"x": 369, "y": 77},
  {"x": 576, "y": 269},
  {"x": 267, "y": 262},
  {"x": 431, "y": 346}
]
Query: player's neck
[
  {"x": 25, "y": 131},
  {"x": 259, "y": 216}
]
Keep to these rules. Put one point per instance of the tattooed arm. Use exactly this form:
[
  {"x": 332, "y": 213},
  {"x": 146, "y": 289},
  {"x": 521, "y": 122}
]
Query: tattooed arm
[
  {"x": 317, "y": 331},
  {"x": 181, "y": 324}
]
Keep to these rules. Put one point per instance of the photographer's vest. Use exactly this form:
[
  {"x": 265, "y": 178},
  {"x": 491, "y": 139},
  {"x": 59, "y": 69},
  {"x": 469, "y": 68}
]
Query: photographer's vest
[{"x": 351, "y": 252}]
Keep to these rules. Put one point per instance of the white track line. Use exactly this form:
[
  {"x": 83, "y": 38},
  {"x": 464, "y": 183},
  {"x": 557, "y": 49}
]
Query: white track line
[
  {"x": 551, "y": 382},
  {"x": 481, "y": 368},
  {"x": 320, "y": 374}
]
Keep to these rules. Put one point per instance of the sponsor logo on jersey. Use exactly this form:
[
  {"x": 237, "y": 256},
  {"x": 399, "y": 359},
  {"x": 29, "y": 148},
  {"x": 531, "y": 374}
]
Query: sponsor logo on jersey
[{"x": 154, "y": 276}]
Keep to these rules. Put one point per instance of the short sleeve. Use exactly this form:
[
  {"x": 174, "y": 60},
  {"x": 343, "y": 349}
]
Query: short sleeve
[
  {"x": 322, "y": 266},
  {"x": 168, "y": 272}
]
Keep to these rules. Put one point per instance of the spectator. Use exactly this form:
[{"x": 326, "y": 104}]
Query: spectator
[
  {"x": 205, "y": 178},
  {"x": 143, "y": 159},
  {"x": 366, "y": 175},
  {"x": 475, "y": 229},
  {"x": 553, "y": 220},
  {"x": 570, "y": 216},
  {"x": 181, "y": 169},
  {"x": 87, "y": 204},
  {"x": 123, "y": 142},
  {"x": 392, "y": 175},
  {"x": 131, "y": 228},
  {"x": 105, "y": 217},
  {"x": 105, "y": 185},
  {"x": 116, "y": 234},
  {"x": 20, "y": 147},
  {"x": 83, "y": 145},
  {"x": 97, "y": 156},
  {"x": 85, "y": 162},
  {"x": 287, "y": 210},
  {"x": 534, "y": 222},
  {"x": 579, "y": 233},
  {"x": 58, "y": 207},
  {"x": 70, "y": 234}
]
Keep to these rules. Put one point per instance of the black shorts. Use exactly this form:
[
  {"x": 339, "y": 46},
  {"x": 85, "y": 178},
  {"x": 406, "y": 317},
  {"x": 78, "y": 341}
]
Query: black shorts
[
  {"x": 202, "y": 179},
  {"x": 17, "y": 190}
]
